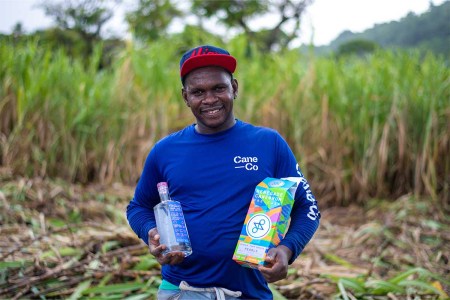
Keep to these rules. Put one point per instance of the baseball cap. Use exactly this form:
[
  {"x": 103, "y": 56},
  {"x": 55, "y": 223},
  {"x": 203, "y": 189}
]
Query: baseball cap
[{"x": 204, "y": 56}]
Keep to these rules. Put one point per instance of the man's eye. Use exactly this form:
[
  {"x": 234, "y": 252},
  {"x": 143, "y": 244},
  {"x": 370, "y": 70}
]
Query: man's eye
[
  {"x": 197, "y": 93},
  {"x": 220, "y": 89}
]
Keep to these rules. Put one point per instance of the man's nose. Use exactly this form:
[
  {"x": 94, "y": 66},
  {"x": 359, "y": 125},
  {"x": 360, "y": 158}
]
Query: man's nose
[{"x": 210, "y": 96}]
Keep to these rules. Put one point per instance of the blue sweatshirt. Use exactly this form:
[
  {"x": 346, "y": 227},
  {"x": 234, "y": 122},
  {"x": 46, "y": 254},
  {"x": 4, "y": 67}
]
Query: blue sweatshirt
[{"x": 213, "y": 177}]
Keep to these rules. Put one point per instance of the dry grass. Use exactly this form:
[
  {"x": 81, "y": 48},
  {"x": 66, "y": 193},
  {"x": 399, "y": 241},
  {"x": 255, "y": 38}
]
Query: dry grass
[{"x": 59, "y": 240}]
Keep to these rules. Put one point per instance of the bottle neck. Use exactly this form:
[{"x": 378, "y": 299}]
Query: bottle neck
[
  {"x": 163, "y": 191},
  {"x": 164, "y": 197}
]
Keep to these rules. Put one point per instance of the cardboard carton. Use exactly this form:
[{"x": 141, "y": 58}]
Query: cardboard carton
[{"x": 267, "y": 220}]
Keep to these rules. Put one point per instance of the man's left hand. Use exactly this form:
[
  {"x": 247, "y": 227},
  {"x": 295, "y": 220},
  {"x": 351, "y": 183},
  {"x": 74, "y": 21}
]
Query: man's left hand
[{"x": 276, "y": 264}]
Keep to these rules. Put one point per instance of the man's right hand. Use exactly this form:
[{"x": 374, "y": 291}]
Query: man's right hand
[{"x": 156, "y": 249}]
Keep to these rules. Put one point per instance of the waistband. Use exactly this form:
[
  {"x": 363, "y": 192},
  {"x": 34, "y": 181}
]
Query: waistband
[{"x": 184, "y": 286}]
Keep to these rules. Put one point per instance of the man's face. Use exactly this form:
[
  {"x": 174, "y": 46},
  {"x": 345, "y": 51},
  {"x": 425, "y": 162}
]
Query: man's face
[{"x": 210, "y": 93}]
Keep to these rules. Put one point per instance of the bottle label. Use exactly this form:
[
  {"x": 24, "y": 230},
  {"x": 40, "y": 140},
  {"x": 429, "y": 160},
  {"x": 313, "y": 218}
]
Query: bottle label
[{"x": 179, "y": 226}]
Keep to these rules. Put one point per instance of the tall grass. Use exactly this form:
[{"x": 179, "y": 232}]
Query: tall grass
[{"x": 376, "y": 126}]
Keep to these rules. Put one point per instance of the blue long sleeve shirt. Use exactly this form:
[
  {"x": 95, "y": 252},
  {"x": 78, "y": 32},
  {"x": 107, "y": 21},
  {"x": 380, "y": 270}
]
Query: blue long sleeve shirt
[{"x": 213, "y": 177}]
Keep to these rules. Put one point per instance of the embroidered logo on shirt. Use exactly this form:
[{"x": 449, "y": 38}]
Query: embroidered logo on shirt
[{"x": 248, "y": 163}]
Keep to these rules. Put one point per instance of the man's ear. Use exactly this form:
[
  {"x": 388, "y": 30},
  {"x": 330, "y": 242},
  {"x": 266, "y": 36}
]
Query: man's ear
[
  {"x": 235, "y": 86},
  {"x": 184, "y": 95}
]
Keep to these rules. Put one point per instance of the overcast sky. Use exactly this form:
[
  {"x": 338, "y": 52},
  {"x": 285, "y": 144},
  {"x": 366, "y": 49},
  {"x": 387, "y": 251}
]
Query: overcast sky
[{"x": 323, "y": 21}]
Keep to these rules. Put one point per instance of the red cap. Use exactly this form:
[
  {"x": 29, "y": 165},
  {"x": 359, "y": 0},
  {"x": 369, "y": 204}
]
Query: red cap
[{"x": 205, "y": 56}]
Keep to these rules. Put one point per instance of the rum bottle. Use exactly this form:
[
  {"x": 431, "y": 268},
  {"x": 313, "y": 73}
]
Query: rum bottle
[{"x": 170, "y": 223}]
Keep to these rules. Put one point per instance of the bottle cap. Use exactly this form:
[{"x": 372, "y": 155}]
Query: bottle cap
[{"x": 162, "y": 187}]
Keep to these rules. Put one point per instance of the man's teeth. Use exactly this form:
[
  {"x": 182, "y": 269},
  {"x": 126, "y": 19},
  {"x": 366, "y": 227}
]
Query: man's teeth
[{"x": 211, "y": 112}]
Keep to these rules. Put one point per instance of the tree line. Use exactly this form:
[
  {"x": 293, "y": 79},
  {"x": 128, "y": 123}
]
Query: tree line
[
  {"x": 79, "y": 26},
  {"x": 79, "y": 23}
]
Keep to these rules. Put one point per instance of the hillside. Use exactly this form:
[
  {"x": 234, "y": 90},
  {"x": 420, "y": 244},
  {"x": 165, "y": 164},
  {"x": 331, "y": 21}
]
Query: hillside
[{"x": 427, "y": 31}]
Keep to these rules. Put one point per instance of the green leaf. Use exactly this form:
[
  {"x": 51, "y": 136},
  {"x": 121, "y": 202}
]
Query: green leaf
[
  {"x": 69, "y": 251},
  {"x": 338, "y": 260},
  {"x": 276, "y": 294},
  {"x": 425, "y": 286},
  {"x": 64, "y": 251},
  {"x": 140, "y": 297},
  {"x": 354, "y": 284},
  {"x": 292, "y": 271},
  {"x": 48, "y": 254},
  {"x": 57, "y": 223},
  {"x": 108, "y": 297},
  {"x": 146, "y": 262},
  {"x": 402, "y": 276},
  {"x": 332, "y": 277},
  {"x": 432, "y": 224},
  {"x": 105, "y": 279},
  {"x": 109, "y": 245},
  {"x": 342, "y": 290},
  {"x": 13, "y": 264},
  {"x": 383, "y": 287},
  {"x": 79, "y": 290},
  {"x": 115, "y": 288}
]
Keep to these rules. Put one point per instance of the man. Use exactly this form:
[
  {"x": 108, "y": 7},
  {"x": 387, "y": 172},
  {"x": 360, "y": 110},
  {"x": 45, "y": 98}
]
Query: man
[{"x": 207, "y": 169}]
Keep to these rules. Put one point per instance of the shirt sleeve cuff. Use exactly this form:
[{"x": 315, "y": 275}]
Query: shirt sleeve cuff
[
  {"x": 145, "y": 229},
  {"x": 295, "y": 252}
]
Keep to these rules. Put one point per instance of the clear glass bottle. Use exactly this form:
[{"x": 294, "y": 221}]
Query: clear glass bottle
[{"x": 171, "y": 224}]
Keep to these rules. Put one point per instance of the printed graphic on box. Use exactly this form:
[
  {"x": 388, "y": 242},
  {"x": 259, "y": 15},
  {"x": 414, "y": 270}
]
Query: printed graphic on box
[{"x": 266, "y": 221}]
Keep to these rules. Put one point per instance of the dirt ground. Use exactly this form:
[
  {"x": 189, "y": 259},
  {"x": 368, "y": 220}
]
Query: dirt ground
[{"x": 55, "y": 236}]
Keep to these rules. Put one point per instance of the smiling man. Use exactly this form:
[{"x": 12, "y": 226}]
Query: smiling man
[
  {"x": 210, "y": 92},
  {"x": 212, "y": 168}
]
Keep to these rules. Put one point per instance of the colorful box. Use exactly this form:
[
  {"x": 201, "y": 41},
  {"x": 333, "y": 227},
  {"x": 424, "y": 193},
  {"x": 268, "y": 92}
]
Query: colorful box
[{"x": 266, "y": 221}]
